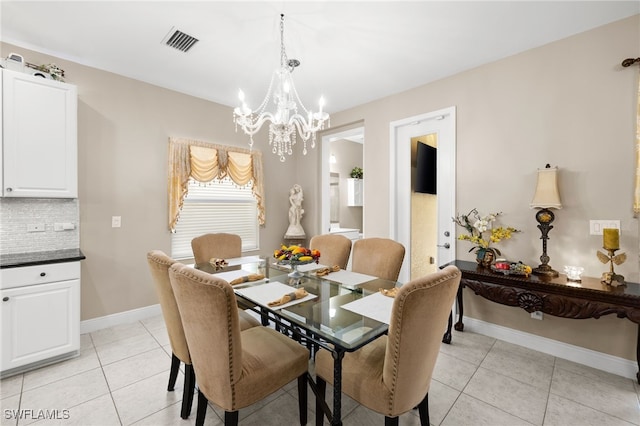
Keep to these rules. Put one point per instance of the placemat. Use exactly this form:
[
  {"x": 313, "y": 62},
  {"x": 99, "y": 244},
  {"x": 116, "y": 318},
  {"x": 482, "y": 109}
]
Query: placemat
[
  {"x": 264, "y": 293},
  {"x": 375, "y": 306}
]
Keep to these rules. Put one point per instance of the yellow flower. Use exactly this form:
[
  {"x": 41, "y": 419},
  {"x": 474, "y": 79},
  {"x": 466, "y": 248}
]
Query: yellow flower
[{"x": 477, "y": 225}]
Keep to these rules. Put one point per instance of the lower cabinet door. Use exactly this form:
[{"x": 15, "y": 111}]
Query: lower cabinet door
[{"x": 39, "y": 322}]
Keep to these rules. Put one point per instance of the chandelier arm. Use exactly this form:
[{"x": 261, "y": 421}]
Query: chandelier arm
[
  {"x": 252, "y": 126},
  {"x": 308, "y": 126}
]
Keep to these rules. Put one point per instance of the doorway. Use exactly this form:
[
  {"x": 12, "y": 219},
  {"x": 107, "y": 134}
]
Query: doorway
[
  {"x": 353, "y": 135},
  {"x": 440, "y": 123}
]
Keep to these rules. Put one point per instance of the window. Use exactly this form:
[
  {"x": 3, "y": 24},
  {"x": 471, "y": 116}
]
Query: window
[{"x": 216, "y": 206}]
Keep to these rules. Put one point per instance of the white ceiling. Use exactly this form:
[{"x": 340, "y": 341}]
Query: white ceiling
[{"x": 351, "y": 52}]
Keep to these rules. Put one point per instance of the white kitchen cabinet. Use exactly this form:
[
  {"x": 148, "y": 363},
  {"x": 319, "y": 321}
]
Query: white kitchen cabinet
[
  {"x": 40, "y": 312},
  {"x": 39, "y": 137},
  {"x": 354, "y": 192}
]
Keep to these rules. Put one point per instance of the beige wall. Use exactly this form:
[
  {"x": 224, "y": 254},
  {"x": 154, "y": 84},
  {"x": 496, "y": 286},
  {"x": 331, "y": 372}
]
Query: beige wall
[
  {"x": 570, "y": 104},
  {"x": 123, "y": 131}
]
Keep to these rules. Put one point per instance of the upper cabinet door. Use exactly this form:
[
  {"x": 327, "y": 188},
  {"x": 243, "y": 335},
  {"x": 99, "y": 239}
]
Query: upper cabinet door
[{"x": 40, "y": 154}]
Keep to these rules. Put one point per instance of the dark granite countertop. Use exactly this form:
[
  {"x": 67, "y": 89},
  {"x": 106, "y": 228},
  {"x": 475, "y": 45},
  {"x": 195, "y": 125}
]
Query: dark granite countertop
[{"x": 17, "y": 260}]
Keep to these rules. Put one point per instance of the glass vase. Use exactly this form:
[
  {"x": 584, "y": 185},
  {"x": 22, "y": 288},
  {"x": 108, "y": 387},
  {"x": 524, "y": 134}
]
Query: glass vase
[{"x": 484, "y": 257}]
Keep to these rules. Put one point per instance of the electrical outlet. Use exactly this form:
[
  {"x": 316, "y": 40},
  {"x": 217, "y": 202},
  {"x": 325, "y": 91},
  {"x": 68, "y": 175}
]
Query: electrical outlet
[
  {"x": 536, "y": 315},
  {"x": 596, "y": 226},
  {"x": 35, "y": 227},
  {"x": 116, "y": 221}
]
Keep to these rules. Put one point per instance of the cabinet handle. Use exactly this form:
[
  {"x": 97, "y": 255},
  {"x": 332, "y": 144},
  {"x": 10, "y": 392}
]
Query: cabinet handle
[
  {"x": 9, "y": 189},
  {"x": 4, "y": 299},
  {"x": 42, "y": 274}
]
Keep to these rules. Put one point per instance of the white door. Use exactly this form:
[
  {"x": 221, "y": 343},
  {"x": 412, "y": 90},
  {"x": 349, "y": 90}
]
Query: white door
[{"x": 441, "y": 122}]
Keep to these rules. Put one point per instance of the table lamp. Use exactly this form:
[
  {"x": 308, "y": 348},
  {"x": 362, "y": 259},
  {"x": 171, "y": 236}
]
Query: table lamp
[{"x": 545, "y": 198}]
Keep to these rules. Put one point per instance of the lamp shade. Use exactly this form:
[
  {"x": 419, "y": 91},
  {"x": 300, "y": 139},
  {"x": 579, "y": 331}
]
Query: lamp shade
[{"x": 547, "y": 195}]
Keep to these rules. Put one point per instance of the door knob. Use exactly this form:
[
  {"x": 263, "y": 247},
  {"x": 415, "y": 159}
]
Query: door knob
[{"x": 445, "y": 245}]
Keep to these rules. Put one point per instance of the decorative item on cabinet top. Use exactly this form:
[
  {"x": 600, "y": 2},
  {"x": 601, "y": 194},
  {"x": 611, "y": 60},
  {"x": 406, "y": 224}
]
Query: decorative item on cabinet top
[{"x": 16, "y": 62}]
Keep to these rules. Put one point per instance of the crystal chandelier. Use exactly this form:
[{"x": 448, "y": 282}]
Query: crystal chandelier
[{"x": 286, "y": 123}]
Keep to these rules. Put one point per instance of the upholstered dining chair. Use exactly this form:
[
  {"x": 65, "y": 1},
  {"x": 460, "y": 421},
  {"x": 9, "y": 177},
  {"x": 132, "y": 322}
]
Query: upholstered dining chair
[
  {"x": 235, "y": 368},
  {"x": 334, "y": 249},
  {"x": 219, "y": 245},
  {"x": 392, "y": 374},
  {"x": 159, "y": 264},
  {"x": 380, "y": 257}
]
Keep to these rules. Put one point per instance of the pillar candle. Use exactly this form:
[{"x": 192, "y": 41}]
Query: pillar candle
[{"x": 610, "y": 239}]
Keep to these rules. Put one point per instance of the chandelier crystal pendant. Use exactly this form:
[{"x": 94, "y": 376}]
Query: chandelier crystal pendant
[{"x": 286, "y": 123}]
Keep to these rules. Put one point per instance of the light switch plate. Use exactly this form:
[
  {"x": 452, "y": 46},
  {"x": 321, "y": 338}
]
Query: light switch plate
[
  {"x": 116, "y": 221},
  {"x": 596, "y": 226}
]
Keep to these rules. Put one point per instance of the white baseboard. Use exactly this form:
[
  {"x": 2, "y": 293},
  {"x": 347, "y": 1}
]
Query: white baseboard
[
  {"x": 609, "y": 363},
  {"x": 126, "y": 317}
]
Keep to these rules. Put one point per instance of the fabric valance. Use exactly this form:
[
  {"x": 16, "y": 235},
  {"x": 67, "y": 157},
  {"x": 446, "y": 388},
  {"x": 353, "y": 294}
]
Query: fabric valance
[{"x": 204, "y": 162}]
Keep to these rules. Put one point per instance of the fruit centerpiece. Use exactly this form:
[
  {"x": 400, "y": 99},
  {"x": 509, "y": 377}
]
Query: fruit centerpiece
[{"x": 294, "y": 256}]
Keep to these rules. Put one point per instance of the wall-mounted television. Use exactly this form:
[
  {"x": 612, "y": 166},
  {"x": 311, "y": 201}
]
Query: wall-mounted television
[{"x": 426, "y": 171}]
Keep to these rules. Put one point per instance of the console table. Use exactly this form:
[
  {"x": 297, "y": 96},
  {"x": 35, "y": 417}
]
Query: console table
[{"x": 589, "y": 298}]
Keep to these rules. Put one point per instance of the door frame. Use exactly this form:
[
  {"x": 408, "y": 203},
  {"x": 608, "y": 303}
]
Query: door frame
[{"x": 442, "y": 122}]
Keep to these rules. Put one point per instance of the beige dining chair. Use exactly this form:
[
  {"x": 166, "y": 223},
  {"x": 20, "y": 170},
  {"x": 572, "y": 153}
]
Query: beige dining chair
[
  {"x": 380, "y": 257},
  {"x": 218, "y": 245},
  {"x": 334, "y": 249},
  {"x": 159, "y": 264},
  {"x": 392, "y": 374},
  {"x": 235, "y": 368}
]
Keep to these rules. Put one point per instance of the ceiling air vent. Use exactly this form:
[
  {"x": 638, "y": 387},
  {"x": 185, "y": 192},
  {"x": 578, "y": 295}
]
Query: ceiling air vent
[{"x": 179, "y": 40}]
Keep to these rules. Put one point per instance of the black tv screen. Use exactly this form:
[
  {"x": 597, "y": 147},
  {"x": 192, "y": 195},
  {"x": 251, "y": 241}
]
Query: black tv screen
[{"x": 426, "y": 172}]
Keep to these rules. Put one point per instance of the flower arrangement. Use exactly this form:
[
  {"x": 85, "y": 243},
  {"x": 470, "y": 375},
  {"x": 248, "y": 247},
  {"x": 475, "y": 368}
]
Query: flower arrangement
[
  {"x": 476, "y": 227},
  {"x": 295, "y": 254},
  {"x": 357, "y": 173}
]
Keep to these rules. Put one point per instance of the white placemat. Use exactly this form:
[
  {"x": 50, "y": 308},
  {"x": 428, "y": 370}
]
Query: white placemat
[
  {"x": 375, "y": 306},
  {"x": 229, "y": 276},
  {"x": 349, "y": 277},
  {"x": 244, "y": 259},
  {"x": 269, "y": 292}
]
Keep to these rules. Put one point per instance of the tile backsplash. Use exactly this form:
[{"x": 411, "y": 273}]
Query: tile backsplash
[{"x": 18, "y": 214}]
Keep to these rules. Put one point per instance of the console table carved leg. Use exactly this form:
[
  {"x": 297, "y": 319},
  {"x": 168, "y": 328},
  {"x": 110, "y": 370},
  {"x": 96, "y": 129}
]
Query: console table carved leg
[
  {"x": 459, "y": 325},
  {"x": 638, "y": 355},
  {"x": 447, "y": 335}
]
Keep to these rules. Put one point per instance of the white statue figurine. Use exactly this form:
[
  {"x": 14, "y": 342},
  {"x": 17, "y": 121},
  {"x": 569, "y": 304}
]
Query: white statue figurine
[{"x": 295, "y": 212}]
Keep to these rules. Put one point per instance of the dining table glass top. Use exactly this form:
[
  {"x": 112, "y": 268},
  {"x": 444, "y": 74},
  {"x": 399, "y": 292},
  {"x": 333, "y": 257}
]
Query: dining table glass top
[{"x": 342, "y": 308}]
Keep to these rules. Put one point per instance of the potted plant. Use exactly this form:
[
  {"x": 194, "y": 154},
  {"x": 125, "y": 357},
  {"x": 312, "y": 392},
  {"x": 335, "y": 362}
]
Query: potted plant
[
  {"x": 356, "y": 173},
  {"x": 476, "y": 225}
]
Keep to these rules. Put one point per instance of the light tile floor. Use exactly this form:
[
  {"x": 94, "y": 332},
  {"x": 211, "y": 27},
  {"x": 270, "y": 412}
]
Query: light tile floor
[{"x": 120, "y": 378}]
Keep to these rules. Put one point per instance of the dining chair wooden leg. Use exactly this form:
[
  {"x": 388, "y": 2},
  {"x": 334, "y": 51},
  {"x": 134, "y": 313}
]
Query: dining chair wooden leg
[
  {"x": 173, "y": 373},
  {"x": 187, "y": 393},
  {"x": 321, "y": 386},
  {"x": 302, "y": 398},
  {"x": 201, "y": 411},
  {"x": 231, "y": 418},
  {"x": 423, "y": 410},
  {"x": 391, "y": 421}
]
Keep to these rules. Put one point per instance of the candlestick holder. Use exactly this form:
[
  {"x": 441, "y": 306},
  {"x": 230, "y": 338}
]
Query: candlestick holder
[{"x": 611, "y": 278}]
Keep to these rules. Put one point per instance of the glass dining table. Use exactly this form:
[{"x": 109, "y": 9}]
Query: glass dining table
[{"x": 342, "y": 311}]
